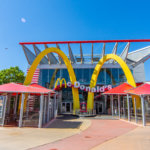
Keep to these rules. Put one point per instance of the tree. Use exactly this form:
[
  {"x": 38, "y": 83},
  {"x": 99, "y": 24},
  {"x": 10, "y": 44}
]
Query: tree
[{"x": 13, "y": 74}]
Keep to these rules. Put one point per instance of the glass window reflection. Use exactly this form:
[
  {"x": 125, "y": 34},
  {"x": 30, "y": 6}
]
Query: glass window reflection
[
  {"x": 122, "y": 77},
  {"x": 86, "y": 78},
  {"x": 115, "y": 76},
  {"x": 101, "y": 77},
  {"x": 108, "y": 76}
]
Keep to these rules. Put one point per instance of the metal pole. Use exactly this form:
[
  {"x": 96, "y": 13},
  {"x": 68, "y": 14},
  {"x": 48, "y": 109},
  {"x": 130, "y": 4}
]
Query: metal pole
[
  {"x": 112, "y": 106},
  {"x": 52, "y": 106},
  {"x": 123, "y": 108},
  {"x": 15, "y": 108},
  {"x": 143, "y": 110},
  {"x": 4, "y": 113},
  {"x": 8, "y": 107},
  {"x": 59, "y": 101},
  {"x": 128, "y": 107},
  {"x": 55, "y": 106},
  {"x": 27, "y": 106},
  {"x": 41, "y": 111},
  {"x": 48, "y": 110},
  {"x": 21, "y": 111},
  {"x": 119, "y": 106},
  {"x": 135, "y": 110},
  {"x": 44, "y": 117},
  {"x": 105, "y": 103}
]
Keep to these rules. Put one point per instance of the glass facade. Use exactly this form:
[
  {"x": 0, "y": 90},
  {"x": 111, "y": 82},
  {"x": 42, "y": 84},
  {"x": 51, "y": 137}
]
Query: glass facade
[{"x": 107, "y": 76}]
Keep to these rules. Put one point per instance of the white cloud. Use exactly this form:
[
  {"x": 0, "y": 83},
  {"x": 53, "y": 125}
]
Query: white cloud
[{"x": 23, "y": 20}]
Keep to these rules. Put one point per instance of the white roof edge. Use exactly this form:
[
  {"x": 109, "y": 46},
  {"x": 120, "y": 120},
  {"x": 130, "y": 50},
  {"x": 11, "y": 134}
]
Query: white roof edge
[{"x": 139, "y": 50}]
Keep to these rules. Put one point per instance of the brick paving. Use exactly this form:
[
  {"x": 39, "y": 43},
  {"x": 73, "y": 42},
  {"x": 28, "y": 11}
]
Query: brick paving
[{"x": 99, "y": 132}]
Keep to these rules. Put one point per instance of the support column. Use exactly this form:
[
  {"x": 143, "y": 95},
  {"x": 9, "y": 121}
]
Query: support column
[
  {"x": 48, "y": 109},
  {"x": 55, "y": 106},
  {"x": 15, "y": 108},
  {"x": 123, "y": 109},
  {"x": 143, "y": 110},
  {"x": 44, "y": 117},
  {"x": 4, "y": 112},
  {"x": 60, "y": 101},
  {"x": 119, "y": 106},
  {"x": 105, "y": 103},
  {"x": 128, "y": 101},
  {"x": 52, "y": 110},
  {"x": 112, "y": 106},
  {"x": 27, "y": 106},
  {"x": 8, "y": 99},
  {"x": 21, "y": 111},
  {"x": 41, "y": 111},
  {"x": 135, "y": 113}
]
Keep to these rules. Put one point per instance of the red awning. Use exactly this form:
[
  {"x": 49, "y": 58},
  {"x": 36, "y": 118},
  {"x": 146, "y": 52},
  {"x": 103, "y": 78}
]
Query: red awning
[
  {"x": 143, "y": 89},
  {"x": 18, "y": 88},
  {"x": 119, "y": 90}
]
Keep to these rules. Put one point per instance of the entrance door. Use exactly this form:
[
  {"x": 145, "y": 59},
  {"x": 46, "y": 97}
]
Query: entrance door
[
  {"x": 99, "y": 108},
  {"x": 68, "y": 107}
]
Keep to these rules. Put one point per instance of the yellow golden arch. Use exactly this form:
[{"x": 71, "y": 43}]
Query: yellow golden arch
[
  {"x": 125, "y": 68},
  {"x": 90, "y": 101},
  {"x": 61, "y": 82},
  {"x": 76, "y": 104}
]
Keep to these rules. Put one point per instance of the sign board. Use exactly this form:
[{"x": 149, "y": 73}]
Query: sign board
[{"x": 83, "y": 107}]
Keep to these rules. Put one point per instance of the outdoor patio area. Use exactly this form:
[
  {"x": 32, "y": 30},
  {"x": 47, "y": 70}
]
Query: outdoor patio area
[{"x": 26, "y": 106}]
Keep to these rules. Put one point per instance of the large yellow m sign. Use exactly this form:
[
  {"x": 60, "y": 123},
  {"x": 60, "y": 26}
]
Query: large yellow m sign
[
  {"x": 76, "y": 103},
  {"x": 61, "y": 82}
]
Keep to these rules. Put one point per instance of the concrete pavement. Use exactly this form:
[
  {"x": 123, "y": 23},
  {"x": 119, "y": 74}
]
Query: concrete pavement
[
  {"x": 97, "y": 133},
  {"x": 25, "y": 138},
  {"x": 100, "y": 131},
  {"x": 137, "y": 139}
]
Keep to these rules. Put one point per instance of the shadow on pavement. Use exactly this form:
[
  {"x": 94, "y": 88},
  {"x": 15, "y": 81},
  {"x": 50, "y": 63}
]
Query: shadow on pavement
[
  {"x": 67, "y": 116},
  {"x": 65, "y": 121}
]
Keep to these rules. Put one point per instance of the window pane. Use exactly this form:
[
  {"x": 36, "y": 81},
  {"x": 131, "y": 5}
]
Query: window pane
[
  {"x": 44, "y": 77},
  {"x": 101, "y": 77},
  {"x": 79, "y": 75},
  {"x": 108, "y": 76},
  {"x": 65, "y": 75},
  {"x": 115, "y": 79},
  {"x": 52, "y": 74},
  {"x": 122, "y": 77},
  {"x": 86, "y": 78}
]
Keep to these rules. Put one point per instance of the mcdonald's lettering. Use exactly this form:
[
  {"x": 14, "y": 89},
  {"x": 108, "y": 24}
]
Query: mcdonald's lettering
[{"x": 83, "y": 87}]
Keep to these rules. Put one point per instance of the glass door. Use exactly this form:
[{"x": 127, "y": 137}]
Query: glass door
[
  {"x": 99, "y": 108},
  {"x": 68, "y": 107}
]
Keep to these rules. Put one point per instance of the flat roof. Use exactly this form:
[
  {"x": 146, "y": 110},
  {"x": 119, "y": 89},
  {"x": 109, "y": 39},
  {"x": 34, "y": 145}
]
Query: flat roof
[{"x": 90, "y": 41}]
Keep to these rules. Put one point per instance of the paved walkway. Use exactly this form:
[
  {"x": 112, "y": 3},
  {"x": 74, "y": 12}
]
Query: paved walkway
[
  {"x": 137, "y": 139},
  {"x": 25, "y": 138},
  {"x": 99, "y": 132}
]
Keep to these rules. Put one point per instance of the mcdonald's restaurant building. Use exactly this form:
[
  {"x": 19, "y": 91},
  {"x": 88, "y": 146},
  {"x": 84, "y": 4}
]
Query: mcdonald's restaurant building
[{"x": 52, "y": 72}]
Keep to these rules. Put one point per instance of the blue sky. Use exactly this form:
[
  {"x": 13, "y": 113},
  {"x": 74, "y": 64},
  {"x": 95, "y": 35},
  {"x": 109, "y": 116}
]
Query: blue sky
[{"x": 63, "y": 20}]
